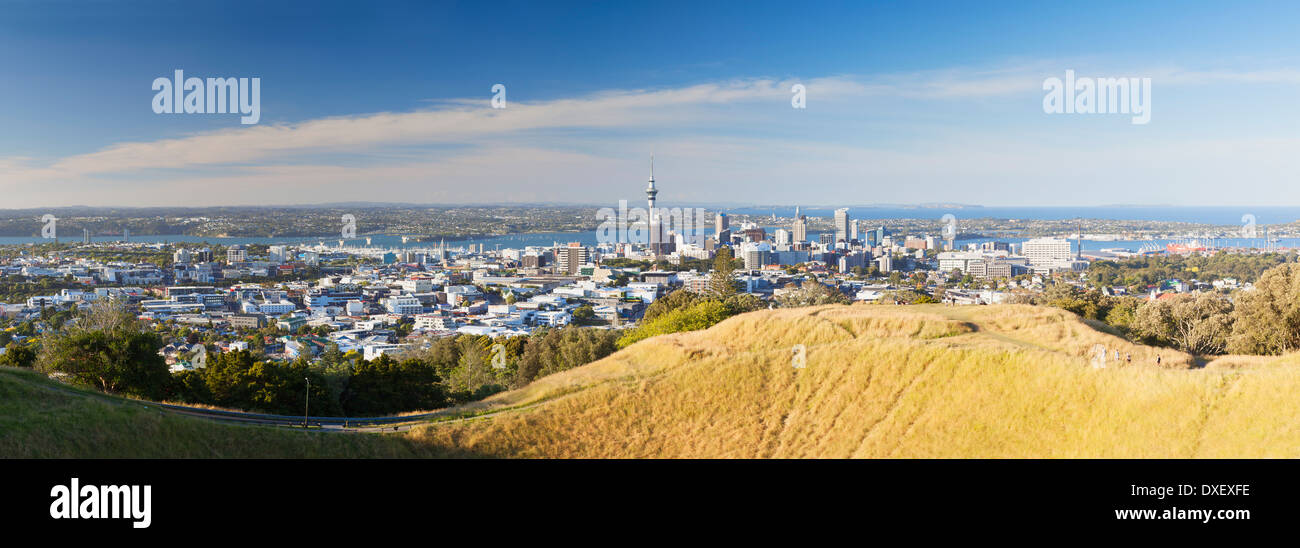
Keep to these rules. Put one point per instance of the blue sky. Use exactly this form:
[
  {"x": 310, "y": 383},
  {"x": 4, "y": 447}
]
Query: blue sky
[{"x": 907, "y": 103}]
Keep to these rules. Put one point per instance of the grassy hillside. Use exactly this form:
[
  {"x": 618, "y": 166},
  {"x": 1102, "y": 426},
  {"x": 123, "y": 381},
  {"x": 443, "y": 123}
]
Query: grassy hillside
[
  {"x": 918, "y": 381},
  {"x": 879, "y": 381},
  {"x": 38, "y": 422}
]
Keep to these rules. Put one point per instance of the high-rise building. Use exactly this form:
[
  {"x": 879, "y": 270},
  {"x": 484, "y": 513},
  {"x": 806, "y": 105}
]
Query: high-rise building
[
  {"x": 756, "y": 255},
  {"x": 842, "y": 224},
  {"x": 885, "y": 263},
  {"x": 236, "y": 254},
  {"x": 800, "y": 228},
  {"x": 277, "y": 254},
  {"x": 570, "y": 258},
  {"x": 722, "y": 228},
  {"x": 1043, "y": 252}
]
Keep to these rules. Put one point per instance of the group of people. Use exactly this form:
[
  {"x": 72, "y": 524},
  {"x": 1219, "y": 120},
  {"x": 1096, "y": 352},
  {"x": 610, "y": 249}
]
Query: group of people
[{"x": 1128, "y": 358}]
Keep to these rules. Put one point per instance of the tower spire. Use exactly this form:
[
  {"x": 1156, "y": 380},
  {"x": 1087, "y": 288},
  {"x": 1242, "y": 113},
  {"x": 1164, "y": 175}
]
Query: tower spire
[
  {"x": 1078, "y": 241},
  {"x": 652, "y": 222}
]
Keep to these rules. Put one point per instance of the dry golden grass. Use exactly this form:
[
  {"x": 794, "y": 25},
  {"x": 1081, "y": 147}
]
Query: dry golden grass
[{"x": 880, "y": 382}]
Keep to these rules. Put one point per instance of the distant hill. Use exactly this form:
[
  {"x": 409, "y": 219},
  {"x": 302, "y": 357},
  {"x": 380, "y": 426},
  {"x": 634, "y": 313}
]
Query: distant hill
[{"x": 877, "y": 382}]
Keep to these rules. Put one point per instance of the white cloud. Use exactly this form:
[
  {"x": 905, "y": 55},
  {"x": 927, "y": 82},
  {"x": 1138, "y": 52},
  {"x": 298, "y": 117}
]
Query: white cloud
[{"x": 736, "y": 140}]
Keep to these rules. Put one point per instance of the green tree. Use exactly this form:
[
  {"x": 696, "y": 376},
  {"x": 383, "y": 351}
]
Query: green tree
[
  {"x": 722, "y": 281},
  {"x": 811, "y": 293},
  {"x": 1267, "y": 318},
  {"x": 1199, "y": 324},
  {"x": 385, "y": 385},
  {"x": 553, "y": 350},
  {"x": 109, "y": 350},
  {"x": 18, "y": 355},
  {"x": 584, "y": 314},
  {"x": 700, "y": 316}
]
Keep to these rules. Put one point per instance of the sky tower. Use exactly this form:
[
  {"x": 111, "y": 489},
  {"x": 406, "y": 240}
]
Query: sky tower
[
  {"x": 652, "y": 221},
  {"x": 651, "y": 191}
]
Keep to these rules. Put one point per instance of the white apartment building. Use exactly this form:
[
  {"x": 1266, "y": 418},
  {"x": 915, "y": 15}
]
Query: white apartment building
[
  {"x": 416, "y": 286},
  {"x": 372, "y": 351},
  {"x": 276, "y": 308},
  {"x": 1047, "y": 251},
  {"x": 554, "y": 318},
  {"x": 959, "y": 260},
  {"x": 278, "y": 254},
  {"x": 404, "y": 305},
  {"x": 436, "y": 322}
]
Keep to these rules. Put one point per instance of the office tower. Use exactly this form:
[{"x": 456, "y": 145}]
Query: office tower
[
  {"x": 782, "y": 236},
  {"x": 1044, "y": 252},
  {"x": 722, "y": 228},
  {"x": 800, "y": 228},
  {"x": 842, "y": 224},
  {"x": 886, "y": 263},
  {"x": 85, "y": 235},
  {"x": 571, "y": 257},
  {"x": 236, "y": 254},
  {"x": 853, "y": 231},
  {"x": 277, "y": 254},
  {"x": 756, "y": 255}
]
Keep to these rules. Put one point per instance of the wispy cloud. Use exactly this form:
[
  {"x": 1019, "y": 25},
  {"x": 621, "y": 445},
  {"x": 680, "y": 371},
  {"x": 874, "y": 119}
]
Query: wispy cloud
[{"x": 735, "y": 136}]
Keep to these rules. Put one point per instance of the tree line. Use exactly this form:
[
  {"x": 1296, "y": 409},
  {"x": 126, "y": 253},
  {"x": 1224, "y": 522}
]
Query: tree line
[
  {"x": 1263, "y": 320},
  {"x": 107, "y": 348}
]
